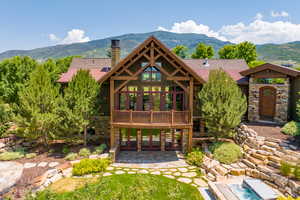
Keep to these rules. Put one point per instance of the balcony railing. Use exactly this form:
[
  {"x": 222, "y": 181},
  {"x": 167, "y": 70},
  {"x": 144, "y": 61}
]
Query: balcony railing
[{"x": 164, "y": 117}]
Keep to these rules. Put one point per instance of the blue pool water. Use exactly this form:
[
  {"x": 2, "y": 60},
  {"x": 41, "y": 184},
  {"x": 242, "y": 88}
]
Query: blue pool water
[{"x": 243, "y": 193}]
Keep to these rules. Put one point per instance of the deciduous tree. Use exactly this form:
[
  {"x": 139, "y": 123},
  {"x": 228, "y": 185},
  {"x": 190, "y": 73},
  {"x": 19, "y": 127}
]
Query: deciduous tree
[
  {"x": 203, "y": 51},
  {"x": 247, "y": 51},
  {"x": 222, "y": 104},
  {"x": 81, "y": 95},
  {"x": 181, "y": 51},
  {"x": 228, "y": 52}
]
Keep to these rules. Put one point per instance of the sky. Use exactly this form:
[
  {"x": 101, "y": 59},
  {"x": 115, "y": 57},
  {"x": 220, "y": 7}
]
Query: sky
[{"x": 28, "y": 24}]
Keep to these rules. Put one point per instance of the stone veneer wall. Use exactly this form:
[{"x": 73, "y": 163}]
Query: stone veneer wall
[{"x": 282, "y": 101}]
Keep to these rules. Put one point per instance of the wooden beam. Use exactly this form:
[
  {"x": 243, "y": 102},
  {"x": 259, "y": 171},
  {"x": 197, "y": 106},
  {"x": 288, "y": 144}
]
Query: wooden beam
[
  {"x": 182, "y": 86},
  {"x": 123, "y": 78},
  {"x": 191, "y": 97},
  {"x": 178, "y": 78}
]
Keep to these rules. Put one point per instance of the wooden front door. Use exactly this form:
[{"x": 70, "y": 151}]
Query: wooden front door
[{"x": 267, "y": 103}]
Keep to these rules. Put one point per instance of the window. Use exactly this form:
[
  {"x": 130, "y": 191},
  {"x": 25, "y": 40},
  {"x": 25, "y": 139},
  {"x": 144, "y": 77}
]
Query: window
[
  {"x": 151, "y": 74},
  {"x": 269, "y": 80}
]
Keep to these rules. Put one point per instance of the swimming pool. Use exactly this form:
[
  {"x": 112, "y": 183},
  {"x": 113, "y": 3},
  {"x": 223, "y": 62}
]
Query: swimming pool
[{"x": 243, "y": 193}]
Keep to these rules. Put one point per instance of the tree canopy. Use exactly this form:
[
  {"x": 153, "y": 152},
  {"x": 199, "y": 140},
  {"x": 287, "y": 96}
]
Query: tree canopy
[
  {"x": 203, "y": 51},
  {"x": 39, "y": 106},
  {"x": 81, "y": 96},
  {"x": 181, "y": 51},
  {"x": 244, "y": 50},
  {"x": 222, "y": 104}
]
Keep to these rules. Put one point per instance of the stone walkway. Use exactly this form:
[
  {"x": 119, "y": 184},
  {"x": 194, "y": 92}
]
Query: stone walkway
[
  {"x": 186, "y": 174},
  {"x": 10, "y": 173},
  {"x": 170, "y": 164}
]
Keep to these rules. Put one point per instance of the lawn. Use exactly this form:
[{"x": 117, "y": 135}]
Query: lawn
[{"x": 125, "y": 187}]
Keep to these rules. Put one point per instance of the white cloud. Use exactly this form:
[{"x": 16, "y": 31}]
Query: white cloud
[
  {"x": 258, "y": 31},
  {"x": 191, "y": 26},
  {"x": 279, "y": 14},
  {"x": 73, "y": 36},
  {"x": 258, "y": 16},
  {"x": 53, "y": 37}
]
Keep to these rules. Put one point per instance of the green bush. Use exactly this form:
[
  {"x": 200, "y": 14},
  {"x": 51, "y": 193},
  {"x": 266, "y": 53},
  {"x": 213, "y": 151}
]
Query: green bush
[
  {"x": 65, "y": 150},
  {"x": 286, "y": 168},
  {"x": 100, "y": 149},
  {"x": 11, "y": 156},
  {"x": 30, "y": 155},
  {"x": 84, "y": 152},
  {"x": 195, "y": 157},
  {"x": 226, "y": 152},
  {"x": 296, "y": 172},
  {"x": 291, "y": 128},
  {"x": 71, "y": 156},
  {"x": 89, "y": 166}
]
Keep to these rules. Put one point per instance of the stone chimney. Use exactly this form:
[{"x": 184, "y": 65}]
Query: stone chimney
[{"x": 115, "y": 52}]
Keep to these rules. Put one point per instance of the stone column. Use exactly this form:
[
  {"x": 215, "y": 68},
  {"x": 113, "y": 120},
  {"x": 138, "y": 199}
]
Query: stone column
[
  {"x": 139, "y": 140},
  {"x": 162, "y": 140},
  {"x": 185, "y": 140}
]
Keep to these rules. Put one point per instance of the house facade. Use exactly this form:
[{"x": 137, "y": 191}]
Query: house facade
[{"x": 149, "y": 99}]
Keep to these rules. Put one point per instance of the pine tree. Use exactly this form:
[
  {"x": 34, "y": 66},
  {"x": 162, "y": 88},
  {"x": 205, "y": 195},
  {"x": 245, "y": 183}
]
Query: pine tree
[
  {"x": 222, "y": 104},
  {"x": 81, "y": 96},
  {"x": 39, "y": 106}
]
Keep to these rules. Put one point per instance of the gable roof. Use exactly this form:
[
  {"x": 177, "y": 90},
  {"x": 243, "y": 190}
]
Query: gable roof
[
  {"x": 94, "y": 65},
  {"x": 268, "y": 66},
  {"x": 143, "y": 45}
]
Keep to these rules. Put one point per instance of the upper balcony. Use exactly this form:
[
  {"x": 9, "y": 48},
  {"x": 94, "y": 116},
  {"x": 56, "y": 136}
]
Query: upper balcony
[{"x": 151, "y": 119}]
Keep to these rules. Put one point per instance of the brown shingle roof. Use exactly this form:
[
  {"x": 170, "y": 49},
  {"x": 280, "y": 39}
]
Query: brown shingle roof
[
  {"x": 232, "y": 66},
  {"x": 94, "y": 65},
  {"x": 283, "y": 70},
  {"x": 90, "y": 63}
]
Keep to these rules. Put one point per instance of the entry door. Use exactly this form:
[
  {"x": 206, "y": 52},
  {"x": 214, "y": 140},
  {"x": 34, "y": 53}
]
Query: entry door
[{"x": 267, "y": 103}]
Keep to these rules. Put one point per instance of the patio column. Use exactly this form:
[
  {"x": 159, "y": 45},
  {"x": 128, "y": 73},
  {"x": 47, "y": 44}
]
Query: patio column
[
  {"x": 202, "y": 127},
  {"x": 162, "y": 140},
  {"x": 112, "y": 137},
  {"x": 139, "y": 140}
]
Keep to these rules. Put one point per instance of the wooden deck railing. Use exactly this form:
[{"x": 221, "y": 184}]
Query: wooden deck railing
[{"x": 166, "y": 117}]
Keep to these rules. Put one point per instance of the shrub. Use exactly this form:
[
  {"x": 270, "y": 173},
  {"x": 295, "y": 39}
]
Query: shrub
[
  {"x": 100, "y": 149},
  {"x": 84, "y": 152},
  {"x": 30, "y": 155},
  {"x": 227, "y": 152},
  {"x": 291, "y": 128},
  {"x": 195, "y": 157},
  {"x": 286, "y": 168},
  {"x": 71, "y": 156},
  {"x": 11, "y": 156},
  {"x": 88, "y": 166},
  {"x": 65, "y": 150},
  {"x": 296, "y": 172}
]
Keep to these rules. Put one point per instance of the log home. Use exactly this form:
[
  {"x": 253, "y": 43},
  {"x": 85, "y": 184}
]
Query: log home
[{"x": 149, "y": 98}]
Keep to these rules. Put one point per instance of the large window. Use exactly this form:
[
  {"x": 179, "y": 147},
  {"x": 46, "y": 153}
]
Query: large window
[{"x": 151, "y": 74}]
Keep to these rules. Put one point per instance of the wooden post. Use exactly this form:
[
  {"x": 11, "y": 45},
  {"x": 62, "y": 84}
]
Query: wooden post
[
  {"x": 130, "y": 116},
  {"x": 191, "y": 98},
  {"x": 139, "y": 140},
  {"x": 172, "y": 116},
  {"x": 162, "y": 140},
  {"x": 151, "y": 116},
  {"x": 112, "y": 134},
  {"x": 190, "y": 142}
]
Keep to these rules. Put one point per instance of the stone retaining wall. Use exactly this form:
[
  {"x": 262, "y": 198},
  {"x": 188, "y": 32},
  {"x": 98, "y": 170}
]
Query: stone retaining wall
[
  {"x": 12, "y": 142},
  {"x": 263, "y": 157}
]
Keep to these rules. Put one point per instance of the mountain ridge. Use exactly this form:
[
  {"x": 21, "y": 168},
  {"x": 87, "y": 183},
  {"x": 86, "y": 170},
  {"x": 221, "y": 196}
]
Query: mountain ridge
[{"x": 97, "y": 48}]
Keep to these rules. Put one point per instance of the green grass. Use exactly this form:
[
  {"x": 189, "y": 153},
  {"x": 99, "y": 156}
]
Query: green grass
[
  {"x": 11, "y": 156},
  {"x": 128, "y": 187}
]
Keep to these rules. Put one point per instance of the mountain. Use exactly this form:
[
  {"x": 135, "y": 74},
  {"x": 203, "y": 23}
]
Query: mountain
[
  {"x": 285, "y": 52},
  {"x": 97, "y": 48}
]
